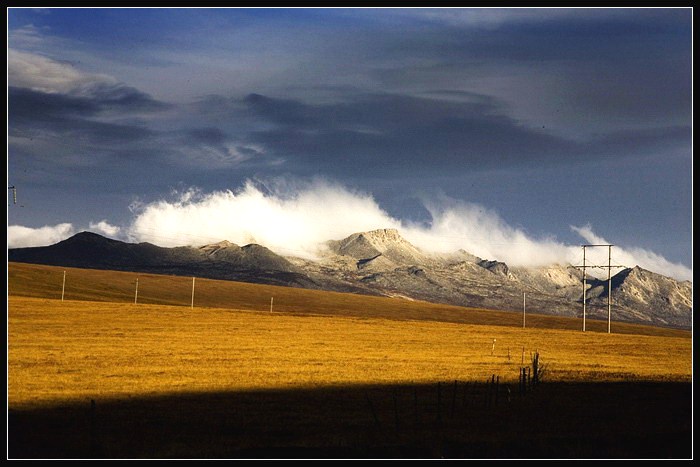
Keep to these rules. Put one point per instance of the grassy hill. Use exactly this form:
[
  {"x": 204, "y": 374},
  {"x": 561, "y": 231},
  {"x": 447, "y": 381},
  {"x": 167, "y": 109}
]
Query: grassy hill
[{"x": 31, "y": 280}]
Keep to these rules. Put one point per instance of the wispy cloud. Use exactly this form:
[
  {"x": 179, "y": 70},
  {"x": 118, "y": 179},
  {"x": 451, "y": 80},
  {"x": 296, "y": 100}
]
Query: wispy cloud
[
  {"x": 22, "y": 237},
  {"x": 629, "y": 256},
  {"x": 296, "y": 218},
  {"x": 282, "y": 215},
  {"x": 103, "y": 103},
  {"x": 40, "y": 73},
  {"x": 105, "y": 228}
]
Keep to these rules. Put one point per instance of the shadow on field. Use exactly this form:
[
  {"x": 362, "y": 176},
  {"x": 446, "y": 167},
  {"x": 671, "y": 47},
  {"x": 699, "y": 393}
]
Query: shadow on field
[{"x": 448, "y": 420}]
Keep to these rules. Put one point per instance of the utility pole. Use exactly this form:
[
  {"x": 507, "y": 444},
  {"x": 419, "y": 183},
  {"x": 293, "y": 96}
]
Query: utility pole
[
  {"x": 523, "y": 310},
  {"x": 192, "y": 305},
  {"x": 609, "y": 284},
  {"x": 63, "y": 289},
  {"x": 609, "y": 266},
  {"x": 584, "y": 287},
  {"x": 136, "y": 293}
]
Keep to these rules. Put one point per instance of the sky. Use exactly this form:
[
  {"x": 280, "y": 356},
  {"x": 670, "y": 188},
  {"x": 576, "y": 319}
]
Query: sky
[{"x": 516, "y": 134}]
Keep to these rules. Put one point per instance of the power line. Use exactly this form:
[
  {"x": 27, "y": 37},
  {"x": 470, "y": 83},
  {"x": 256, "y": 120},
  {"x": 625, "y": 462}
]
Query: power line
[{"x": 609, "y": 266}]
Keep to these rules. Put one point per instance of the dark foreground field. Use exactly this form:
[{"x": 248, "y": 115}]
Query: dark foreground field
[{"x": 450, "y": 420}]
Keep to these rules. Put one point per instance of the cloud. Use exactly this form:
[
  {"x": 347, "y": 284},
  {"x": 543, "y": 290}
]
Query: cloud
[
  {"x": 486, "y": 18},
  {"x": 46, "y": 89},
  {"x": 105, "y": 228},
  {"x": 35, "y": 112},
  {"x": 296, "y": 218},
  {"x": 482, "y": 232},
  {"x": 390, "y": 135},
  {"x": 59, "y": 114},
  {"x": 281, "y": 215},
  {"x": 629, "y": 256},
  {"x": 44, "y": 75},
  {"x": 22, "y": 237},
  {"x": 40, "y": 73},
  {"x": 577, "y": 71},
  {"x": 212, "y": 148}
]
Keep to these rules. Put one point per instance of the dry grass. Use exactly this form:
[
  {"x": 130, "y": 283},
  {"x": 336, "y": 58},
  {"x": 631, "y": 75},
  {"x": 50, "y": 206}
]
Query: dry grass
[
  {"x": 74, "y": 349},
  {"x": 30, "y": 280},
  {"x": 329, "y": 375}
]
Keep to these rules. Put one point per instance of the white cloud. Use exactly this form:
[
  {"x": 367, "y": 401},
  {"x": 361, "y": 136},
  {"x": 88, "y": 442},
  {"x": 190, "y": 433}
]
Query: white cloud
[
  {"x": 295, "y": 218},
  {"x": 285, "y": 217},
  {"x": 40, "y": 73},
  {"x": 105, "y": 228},
  {"x": 482, "y": 232},
  {"x": 629, "y": 256},
  {"x": 485, "y": 17},
  {"x": 26, "y": 37},
  {"x": 21, "y": 237}
]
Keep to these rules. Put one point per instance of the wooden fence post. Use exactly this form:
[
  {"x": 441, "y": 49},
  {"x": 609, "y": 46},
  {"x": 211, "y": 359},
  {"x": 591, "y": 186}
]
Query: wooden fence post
[{"x": 529, "y": 381}]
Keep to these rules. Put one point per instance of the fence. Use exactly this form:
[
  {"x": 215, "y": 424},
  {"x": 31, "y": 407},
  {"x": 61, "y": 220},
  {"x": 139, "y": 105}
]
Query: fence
[
  {"x": 418, "y": 406},
  {"x": 151, "y": 288}
]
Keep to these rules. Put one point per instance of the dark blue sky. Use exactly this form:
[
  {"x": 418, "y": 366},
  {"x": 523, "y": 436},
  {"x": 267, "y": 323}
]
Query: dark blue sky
[{"x": 549, "y": 119}]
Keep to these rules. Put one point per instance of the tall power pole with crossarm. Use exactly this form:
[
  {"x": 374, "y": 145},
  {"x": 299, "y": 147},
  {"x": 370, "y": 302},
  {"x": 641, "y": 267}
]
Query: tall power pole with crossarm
[{"x": 609, "y": 266}]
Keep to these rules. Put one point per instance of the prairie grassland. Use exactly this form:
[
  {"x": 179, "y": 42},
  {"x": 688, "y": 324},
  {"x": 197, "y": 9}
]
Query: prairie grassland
[
  {"x": 73, "y": 350},
  {"x": 324, "y": 375}
]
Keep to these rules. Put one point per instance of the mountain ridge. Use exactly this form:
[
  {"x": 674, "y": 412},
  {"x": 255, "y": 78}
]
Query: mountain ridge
[{"x": 382, "y": 262}]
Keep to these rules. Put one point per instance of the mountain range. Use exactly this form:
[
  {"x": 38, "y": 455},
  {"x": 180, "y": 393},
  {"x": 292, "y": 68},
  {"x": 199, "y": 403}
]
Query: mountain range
[{"x": 382, "y": 262}]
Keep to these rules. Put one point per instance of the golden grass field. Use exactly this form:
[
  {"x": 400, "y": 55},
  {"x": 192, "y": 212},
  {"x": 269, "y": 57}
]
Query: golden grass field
[
  {"x": 97, "y": 344},
  {"x": 72, "y": 350},
  {"x": 30, "y": 280}
]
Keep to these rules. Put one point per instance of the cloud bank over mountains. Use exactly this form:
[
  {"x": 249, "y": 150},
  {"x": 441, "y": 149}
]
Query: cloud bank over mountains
[
  {"x": 295, "y": 218},
  {"x": 587, "y": 120}
]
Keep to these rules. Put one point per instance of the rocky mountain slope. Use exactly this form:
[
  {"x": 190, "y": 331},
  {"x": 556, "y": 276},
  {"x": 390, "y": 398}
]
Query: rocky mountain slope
[
  {"x": 381, "y": 262},
  {"x": 224, "y": 260}
]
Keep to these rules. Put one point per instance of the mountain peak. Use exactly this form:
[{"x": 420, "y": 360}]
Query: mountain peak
[
  {"x": 214, "y": 247},
  {"x": 85, "y": 236},
  {"x": 381, "y": 239},
  {"x": 638, "y": 274},
  {"x": 382, "y": 262},
  {"x": 383, "y": 234},
  {"x": 221, "y": 244},
  {"x": 388, "y": 243}
]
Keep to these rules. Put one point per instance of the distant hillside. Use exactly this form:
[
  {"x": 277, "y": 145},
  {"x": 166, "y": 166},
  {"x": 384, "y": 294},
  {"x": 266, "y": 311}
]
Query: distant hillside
[
  {"x": 250, "y": 263},
  {"x": 45, "y": 282},
  {"x": 383, "y": 248},
  {"x": 381, "y": 262},
  {"x": 665, "y": 300}
]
